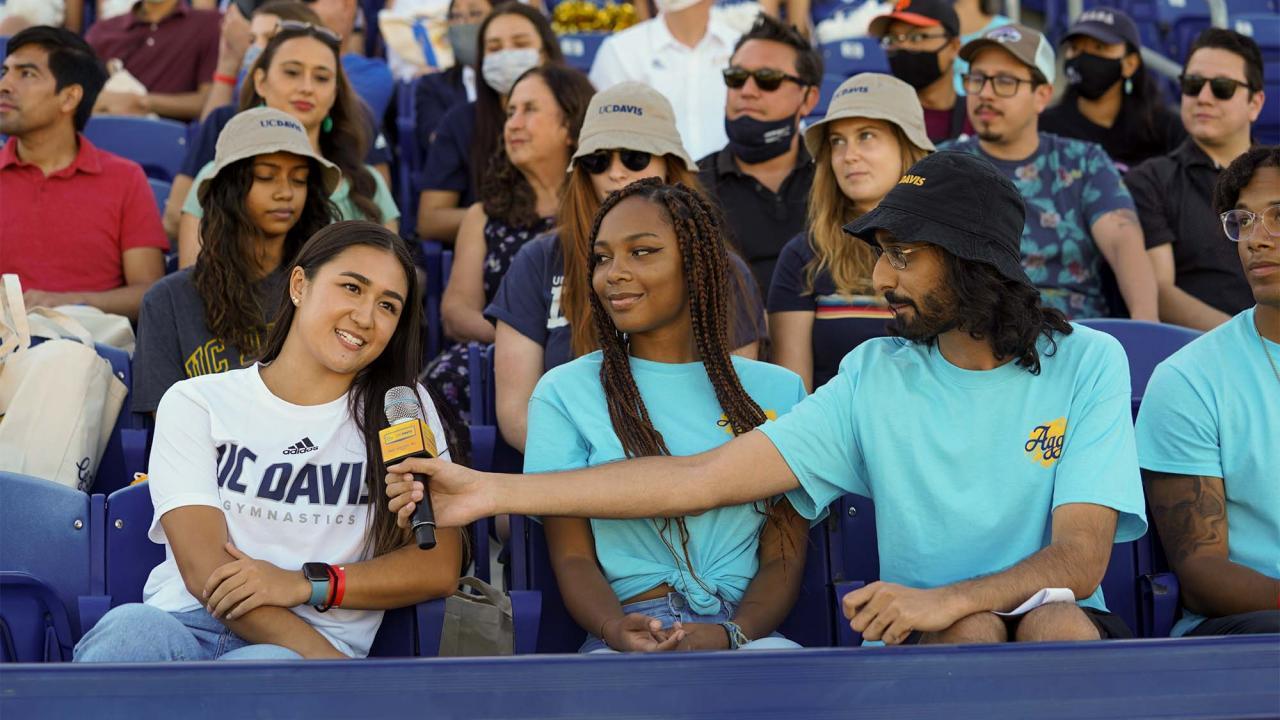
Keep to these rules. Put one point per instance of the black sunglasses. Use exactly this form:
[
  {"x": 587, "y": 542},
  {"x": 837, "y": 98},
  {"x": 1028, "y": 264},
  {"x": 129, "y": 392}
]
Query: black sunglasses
[
  {"x": 767, "y": 79},
  {"x": 600, "y": 160},
  {"x": 1223, "y": 88}
]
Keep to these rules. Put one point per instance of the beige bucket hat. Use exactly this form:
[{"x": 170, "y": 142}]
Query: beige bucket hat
[
  {"x": 262, "y": 131},
  {"x": 631, "y": 116},
  {"x": 878, "y": 97}
]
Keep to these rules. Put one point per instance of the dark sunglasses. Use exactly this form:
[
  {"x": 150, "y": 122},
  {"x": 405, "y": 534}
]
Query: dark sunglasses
[
  {"x": 600, "y": 160},
  {"x": 767, "y": 79},
  {"x": 305, "y": 28},
  {"x": 1223, "y": 88}
]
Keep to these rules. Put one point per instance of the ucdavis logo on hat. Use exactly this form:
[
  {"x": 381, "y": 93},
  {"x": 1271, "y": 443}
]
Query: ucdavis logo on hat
[
  {"x": 1107, "y": 25},
  {"x": 631, "y": 116},
  {"x": 959, "y": 202},
  {"x": 262, "y": 131},
  {"x": 1025, "y": 44},
  {"x": 877, "y": 97}
]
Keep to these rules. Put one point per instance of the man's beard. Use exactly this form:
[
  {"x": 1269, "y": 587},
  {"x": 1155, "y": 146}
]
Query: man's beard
[{"x": 933, "y": 315}]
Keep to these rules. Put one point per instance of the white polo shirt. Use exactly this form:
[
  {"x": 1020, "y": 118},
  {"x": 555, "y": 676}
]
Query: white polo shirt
[{"x": 689, "y": 77}]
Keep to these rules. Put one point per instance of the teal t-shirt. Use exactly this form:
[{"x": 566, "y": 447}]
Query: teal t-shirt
[
  {"x": 966, "y": 467},
  {"x": 1213, "y": 409},
  {"x": 341, "y": 197},
  {"x": 569, "y": 427}
]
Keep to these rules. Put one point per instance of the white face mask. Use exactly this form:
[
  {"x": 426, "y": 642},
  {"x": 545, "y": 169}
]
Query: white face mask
[
  {"x": 674, "y": 6},
  {"x": 502, "y": 68}
]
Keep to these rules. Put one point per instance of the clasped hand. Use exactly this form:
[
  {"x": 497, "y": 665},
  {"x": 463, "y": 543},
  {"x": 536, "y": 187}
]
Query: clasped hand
[{"x": 246, "y": 584}]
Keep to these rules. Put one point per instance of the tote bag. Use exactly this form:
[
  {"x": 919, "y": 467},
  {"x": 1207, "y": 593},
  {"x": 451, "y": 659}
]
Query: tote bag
[{"x": 477, "y": 624}]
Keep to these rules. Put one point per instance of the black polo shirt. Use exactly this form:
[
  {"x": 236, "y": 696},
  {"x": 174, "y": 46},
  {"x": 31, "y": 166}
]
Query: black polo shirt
[
  {"x": 760, "y": 221},
  {"x": 1174, "y": 197}
]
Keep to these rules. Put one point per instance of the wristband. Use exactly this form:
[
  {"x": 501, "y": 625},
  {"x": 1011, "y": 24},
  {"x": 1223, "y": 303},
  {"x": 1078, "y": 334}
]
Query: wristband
[
  {"x": 737, "y": 638},
  {"x": 321, "y": 580},
  {"x": 224, "y": 79},
  {"x": 340, "y": 587},
  {"x": 333, "y": 587}
]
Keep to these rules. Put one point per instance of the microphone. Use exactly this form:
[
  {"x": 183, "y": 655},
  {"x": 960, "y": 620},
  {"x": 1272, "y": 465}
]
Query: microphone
[{"x": 408, "y": 436}]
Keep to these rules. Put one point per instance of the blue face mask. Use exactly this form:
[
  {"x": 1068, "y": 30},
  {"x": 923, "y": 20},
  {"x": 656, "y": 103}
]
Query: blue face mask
[{"x": 755, "y": 141}]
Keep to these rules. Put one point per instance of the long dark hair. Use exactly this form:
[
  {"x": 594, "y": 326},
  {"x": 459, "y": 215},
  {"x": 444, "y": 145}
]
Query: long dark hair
[
  {"x": 1004, "y": 312},
  {"x": 225, "y": 272},
  {"x": 347, "y": 143},
  {"x": 490, "y": 114},
  {"x": 397, "y": 365},
  {"x": 506, "y": 194},
  {"x": 706, "y": 275}
]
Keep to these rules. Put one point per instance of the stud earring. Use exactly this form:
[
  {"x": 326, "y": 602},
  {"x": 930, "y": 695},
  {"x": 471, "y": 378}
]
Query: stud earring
[
  {"x": 295, "y": 299},
  {"x": 1128, "y": 86}
]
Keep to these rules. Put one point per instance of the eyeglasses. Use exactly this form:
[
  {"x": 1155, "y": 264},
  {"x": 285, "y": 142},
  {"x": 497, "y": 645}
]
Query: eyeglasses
[
  {"x": 896, "y": 254},
  {"x": 318, "y": 31},
  {"x": 767, "y": 79},
  {"x": 599, "y": 161},
  {"x": 1003, "y": 85},
  {"x": 1241, "y": 224},
  {"x": 888, "y": 42},
  {"x": 1223, "y": 87}
]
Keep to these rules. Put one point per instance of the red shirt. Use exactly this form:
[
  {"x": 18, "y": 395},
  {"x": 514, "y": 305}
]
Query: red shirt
[
  {"x": 174, "y": 55},
  {"x": 68, "y": 232},
  {"x": 941, "y": 124}
]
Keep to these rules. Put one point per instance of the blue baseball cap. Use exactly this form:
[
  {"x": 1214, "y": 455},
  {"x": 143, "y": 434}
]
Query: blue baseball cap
[{"x": 1107, "y": 25}]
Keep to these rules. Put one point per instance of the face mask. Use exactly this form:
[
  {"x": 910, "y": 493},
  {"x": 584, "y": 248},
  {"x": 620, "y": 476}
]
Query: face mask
[
  {"x": 1091, "y": 75},
  {"x": 917, "y": 69},
  {"x": 502, "y": 69},
  {"x": 675, "y": 6},
  {"x": 755, "y": 141},
  {"x": 464, "y": 39},
  {"x": 251, "y": 56}
]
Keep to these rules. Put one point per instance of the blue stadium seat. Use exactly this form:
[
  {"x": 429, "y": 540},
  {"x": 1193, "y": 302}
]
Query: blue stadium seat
[
  {"x": 1263, "y": 25},
  {"x": 437, "y": 263},
  {"x": 854, "y": 559},
  {"x": 160, "y": 189},
  {"x": 1146, "y": 344},
  {"x": 846, "y": 58},
  {"x": 159, "y": 146},
  {"x": 51, "y": 574},
  {"x": 580, "y": 48},
  {"x": 410, "y": 159}
]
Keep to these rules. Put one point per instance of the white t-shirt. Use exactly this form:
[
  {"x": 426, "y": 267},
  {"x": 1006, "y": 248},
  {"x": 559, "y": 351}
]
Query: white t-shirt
[
  {"x": 290, "y": 480},
  {"x": 691, "y": 78}
]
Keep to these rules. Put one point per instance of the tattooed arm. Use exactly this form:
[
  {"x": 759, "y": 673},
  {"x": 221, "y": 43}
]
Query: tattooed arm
[
  {"x": 1190, "y": 513},
  {"x": 1119, "y": 237}
]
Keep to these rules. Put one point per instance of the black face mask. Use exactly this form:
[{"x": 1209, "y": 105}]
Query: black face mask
[
  {"x": 1092, "y": 76},
  {"x": 755, "y": 141},
  {"x": 918, "y": 69}
]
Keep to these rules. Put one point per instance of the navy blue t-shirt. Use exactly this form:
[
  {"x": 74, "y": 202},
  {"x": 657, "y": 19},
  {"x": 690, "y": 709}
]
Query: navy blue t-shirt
[
  {"x": 840, "y": 323},
  {"x": 529, "y": 301},
  {"x": 435, "y": 95},
  {"x": 449, "y": 154}
]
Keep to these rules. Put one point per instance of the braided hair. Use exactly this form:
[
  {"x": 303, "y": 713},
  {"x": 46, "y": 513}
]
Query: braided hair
[{"x": 706, "y": 275}]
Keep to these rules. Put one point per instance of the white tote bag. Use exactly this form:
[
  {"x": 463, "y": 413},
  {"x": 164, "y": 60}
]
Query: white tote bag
[{"x": 58, "y": 400}]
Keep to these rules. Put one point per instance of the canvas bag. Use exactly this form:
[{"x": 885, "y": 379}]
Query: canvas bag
[
  {"x": 59, "y": 400},
  {"x": 106, "y": 328},
  {"x": 476, "y": 625}
]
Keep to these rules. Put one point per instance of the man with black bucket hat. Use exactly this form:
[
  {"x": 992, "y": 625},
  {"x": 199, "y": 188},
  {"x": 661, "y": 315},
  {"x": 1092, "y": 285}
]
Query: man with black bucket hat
[{"x": 994, "y": 437}]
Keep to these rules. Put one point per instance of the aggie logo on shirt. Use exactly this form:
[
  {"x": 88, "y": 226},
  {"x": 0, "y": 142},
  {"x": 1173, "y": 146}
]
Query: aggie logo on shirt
[
  {"x": 1044, "y": 444},
  {"x": 723, "y": 422}
]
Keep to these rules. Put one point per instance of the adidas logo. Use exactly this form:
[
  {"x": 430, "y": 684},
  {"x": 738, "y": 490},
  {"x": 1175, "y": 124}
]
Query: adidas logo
[{"x": 302, "y": 446}]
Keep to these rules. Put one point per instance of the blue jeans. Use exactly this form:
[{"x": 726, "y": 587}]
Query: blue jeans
[
  {"x": 142, "y": 633},
  {"x": 674, "y": 607}
]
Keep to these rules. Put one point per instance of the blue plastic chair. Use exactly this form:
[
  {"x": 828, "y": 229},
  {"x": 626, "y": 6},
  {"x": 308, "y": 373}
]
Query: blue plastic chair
[
  {"x": 411, "y": 158},
  {"x": 159, "y": 146},
  {"x": 160, "y": 189},
  {"x": 580, "y": 49},
  {"x": 854, "y": 557},
  {"x": 51, "y": 573},
  {"x": 437, "y": 263},
  {"x": 1260, "y": 20},
  {"x": 846, "y": 58},
  {"x": 1147, "y": 344}
]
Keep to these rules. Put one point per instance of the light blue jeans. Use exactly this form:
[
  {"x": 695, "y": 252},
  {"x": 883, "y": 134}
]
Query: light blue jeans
[
  {"x": 142, "y": 633},
  {"x": 674, "y": 607}
]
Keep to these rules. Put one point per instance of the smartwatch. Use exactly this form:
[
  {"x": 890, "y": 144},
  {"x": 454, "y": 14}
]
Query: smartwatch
[{"x": 319, "y": 575}]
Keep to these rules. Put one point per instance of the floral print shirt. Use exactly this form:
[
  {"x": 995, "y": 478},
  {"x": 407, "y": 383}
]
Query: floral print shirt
[{"x": 1066, "y": 185}]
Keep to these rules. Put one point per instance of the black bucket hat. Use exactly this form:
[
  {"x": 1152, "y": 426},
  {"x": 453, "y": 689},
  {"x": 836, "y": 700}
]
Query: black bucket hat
[{"x": 959, "y": 202}]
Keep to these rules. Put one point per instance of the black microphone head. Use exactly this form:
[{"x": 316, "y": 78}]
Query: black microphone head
[{"x": 400, "y": 404}]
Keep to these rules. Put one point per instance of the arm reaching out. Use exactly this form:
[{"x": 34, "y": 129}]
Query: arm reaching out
[{"x": 745, "y": 469}]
